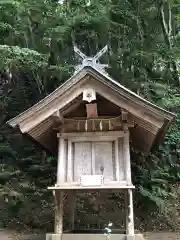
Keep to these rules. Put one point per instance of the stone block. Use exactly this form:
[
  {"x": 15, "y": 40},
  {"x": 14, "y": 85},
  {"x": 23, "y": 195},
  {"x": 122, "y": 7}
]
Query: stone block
[
  {"x": 66, "y": 236},
  {"x": 135, "y": 237},
  {"x": 53, "y": 236}
]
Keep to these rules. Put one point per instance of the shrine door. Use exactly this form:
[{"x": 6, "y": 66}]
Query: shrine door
[{"x": 94, "y": 158}]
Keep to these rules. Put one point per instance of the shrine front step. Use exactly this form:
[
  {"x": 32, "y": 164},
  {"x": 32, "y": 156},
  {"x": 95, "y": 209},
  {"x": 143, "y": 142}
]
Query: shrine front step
[{"x": 66, "y": 236}]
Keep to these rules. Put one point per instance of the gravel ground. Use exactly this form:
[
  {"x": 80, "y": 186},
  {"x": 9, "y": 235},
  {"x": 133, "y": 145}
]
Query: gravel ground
[{"x": 10, "y": 235}]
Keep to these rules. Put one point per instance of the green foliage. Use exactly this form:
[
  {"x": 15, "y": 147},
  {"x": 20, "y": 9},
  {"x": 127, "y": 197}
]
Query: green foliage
[
  {"x": 36, "y": 45},
  {"x": 16, "y": 56}
]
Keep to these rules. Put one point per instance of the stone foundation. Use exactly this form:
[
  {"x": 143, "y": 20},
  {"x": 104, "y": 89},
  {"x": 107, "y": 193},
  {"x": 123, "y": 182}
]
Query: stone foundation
[{"x": 66, "y": 236}]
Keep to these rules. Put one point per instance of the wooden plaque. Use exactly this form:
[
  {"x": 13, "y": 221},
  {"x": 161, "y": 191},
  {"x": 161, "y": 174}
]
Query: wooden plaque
[
  {"x": 91, "y": 180},
  {"x": 91, "y": 110}
]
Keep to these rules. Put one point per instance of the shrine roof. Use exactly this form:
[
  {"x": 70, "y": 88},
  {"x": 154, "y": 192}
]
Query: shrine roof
[{"x": 153, "y": 121}]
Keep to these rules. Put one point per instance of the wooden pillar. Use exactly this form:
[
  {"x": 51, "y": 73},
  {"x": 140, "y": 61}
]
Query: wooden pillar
[
  {"x": 126, "y": 212},
  {"x": 127, "y": 160},
  {"x": 129, "y": 212},
  {"x": 61, "y": 161},
  {"x": 117, "y": 159},
  {"x": 58, "y": 228},
  {"x": 70, "y": 163},
  {"x": 72, "y": 208}
]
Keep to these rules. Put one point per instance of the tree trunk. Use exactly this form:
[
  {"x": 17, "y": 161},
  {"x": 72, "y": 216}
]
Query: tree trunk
[{"x": 167, "y": 31}]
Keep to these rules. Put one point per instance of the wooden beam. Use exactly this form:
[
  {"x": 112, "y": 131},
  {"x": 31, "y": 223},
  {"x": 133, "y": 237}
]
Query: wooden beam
[
  {"x": 117, "y": 158},
  {"x": 129, "y": 214},
  {"x": 126, "y": 154},
  {"x": 58, "y": 212},
  {"x": 124, "y": 115},
  {"x": 72, "y": 106},
  {"x": 57, "y": 117},
  {"x": 75, "y": 185},
  {"x": 126, "y": 212},
  {"x": 72, "y": 208},
  {"x": 93, "y": 167},
  {"x": 92, "y": 134},
  {"x": 61, "y": 161},
  {"x": 70, "y": 162}
]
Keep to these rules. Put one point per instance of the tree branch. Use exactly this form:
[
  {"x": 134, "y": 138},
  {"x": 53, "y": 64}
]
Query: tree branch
[
  {"x": 165, "y": 28},
  {"x": 170, "y": 19}
]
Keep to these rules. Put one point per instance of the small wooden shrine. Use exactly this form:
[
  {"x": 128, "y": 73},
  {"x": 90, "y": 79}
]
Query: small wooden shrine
[{"x": 89, "y": 123}]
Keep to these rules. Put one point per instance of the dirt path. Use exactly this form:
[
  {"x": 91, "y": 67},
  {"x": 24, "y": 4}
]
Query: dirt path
[{"x": 10, "y": 235}]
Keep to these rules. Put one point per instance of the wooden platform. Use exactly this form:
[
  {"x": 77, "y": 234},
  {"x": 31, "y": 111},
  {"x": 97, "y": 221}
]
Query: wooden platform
[
  {"x": 78, "y": 187},
  {"x": 72, "y": 236},
  {"x": 93, "y": 231}
]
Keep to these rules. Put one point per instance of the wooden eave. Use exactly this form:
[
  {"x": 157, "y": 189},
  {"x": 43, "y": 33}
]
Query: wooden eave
[{"x": 37, "y": 121}]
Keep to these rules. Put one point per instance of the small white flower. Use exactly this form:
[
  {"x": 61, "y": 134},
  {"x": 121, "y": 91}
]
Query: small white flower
[
  {"x": 110, "y": 224},
  {"x": 61, "y": 1},
  {"x": 88, "y": 3}
]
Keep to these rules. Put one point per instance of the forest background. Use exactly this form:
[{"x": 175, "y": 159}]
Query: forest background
[{"x": 36, "y": 56}]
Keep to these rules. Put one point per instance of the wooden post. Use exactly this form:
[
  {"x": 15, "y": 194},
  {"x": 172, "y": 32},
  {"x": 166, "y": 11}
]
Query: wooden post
[
  {"x": 126, "y": 212},
  {"x": 58, "y": 212},
  {"x": 129, "y": 213},
  {"x": 61, "y": 161},
  {"x": 117, "y": 159},
  {"x": 72, "y": 208},
  {"x": 70, "y": 163},
  {"x": 126, "y": 153}
]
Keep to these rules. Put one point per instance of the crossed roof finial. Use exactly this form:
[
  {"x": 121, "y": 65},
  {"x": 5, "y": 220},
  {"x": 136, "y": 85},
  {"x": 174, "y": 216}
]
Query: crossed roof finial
[{"x": 91, "y": 61}]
